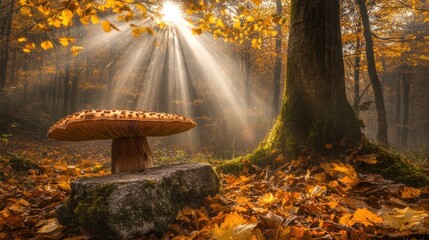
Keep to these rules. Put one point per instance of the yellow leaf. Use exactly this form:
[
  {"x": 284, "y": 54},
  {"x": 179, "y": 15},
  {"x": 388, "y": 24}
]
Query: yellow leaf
[
  {"x": 95, "y": 19},
  {"x": 29, "y": 47},
  {"x": 250, "y": 19},
  {"x": 75, "y": 50},
  {"x": 405, "y": 219},
  {"x": 54, "y": 22},
  {"x": 409, "y": 192},
  {"x": 345, "y": 172},
  {"x": 26, "y": 11},
  {"x": 107, "y": 27},
  {"x": 257, "y": 2},
  {"x": 233, "y": 227},
  {"x": 197, "y": 31},
  {"x": 43, "y": 27},
  {"x": 366, "y": 217},
  {"x": 266, "y": 199},
  {"x": 236, "y": 24},
  {"x": 65, "y": 41},
  {"x": 42, "y": 9},
  {"x": 66, "y": 17},
  {"x": 220, "y": 24},
  {"x": 47, "y": 45},
  {"x": 64, "y": 185},
  {"x": 317, "y": 190},
  {"x": 142, "y": 9},
  {"x": 22, "y": 39},
  {"x": 85, "y": 20}
]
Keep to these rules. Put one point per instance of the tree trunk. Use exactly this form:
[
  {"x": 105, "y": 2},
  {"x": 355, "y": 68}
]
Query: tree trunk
[
  {"x": 315, "y": 114},
  {"x": 278, "y": 62},
  {"x": 356, "y": 100},
  {"x": 5, "y": 31},
  {"x": 406, "y": 83},
  {"x": 246, "y": 69},
  {"x": 372, "y": 72},
  {"x": 66, "y": 83},
  {"x": 398, "y": 111}
]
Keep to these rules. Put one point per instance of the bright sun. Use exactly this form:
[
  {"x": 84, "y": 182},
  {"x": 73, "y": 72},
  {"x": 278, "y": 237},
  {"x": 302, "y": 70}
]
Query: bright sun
[{"x": 171, "y": 13}]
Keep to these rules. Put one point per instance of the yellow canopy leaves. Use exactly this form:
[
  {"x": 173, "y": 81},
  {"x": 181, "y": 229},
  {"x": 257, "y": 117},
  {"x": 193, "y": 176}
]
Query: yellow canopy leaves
[{"x": 46, "y": 45}]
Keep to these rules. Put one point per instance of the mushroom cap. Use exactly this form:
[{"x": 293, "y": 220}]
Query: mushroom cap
[{"x": 108, "y": 124}]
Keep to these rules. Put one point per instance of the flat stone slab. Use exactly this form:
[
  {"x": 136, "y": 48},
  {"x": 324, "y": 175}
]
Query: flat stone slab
[{"x": 123, "y": 206}]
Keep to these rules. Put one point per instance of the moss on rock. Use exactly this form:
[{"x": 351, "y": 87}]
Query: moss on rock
[{"x": 88, "y": 210}]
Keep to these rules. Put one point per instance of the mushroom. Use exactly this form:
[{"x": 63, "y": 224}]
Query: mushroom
[{"x": 128, "y": 129}]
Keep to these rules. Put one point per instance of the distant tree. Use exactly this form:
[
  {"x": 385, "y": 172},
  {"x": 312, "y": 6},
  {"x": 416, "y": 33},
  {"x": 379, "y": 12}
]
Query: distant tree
[
  {"x": 372, "y": 72},
  {"x": 7, "y": 9}
]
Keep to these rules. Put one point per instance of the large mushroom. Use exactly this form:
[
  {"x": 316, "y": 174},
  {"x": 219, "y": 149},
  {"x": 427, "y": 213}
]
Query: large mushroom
[{"x": 128, "y": 129}]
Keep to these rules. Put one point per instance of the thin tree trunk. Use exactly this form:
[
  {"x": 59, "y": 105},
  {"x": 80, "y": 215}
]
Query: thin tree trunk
[
  {"x": 372, "y": 72},
  {"x": 278, "y": 62},
  {"x": 356, "y": 101},
  {"x": 246, "y": 69},
  {"x": 66, "y": 83},
  {"x": 406, "y": 83},
  {"x": 4, "y": 55},
  {"x": 398, "y": 111}
]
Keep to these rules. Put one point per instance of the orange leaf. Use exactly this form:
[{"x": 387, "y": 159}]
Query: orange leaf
[
  {"x": 366, "y": 217},
  {"x": 409, "y": 192}
]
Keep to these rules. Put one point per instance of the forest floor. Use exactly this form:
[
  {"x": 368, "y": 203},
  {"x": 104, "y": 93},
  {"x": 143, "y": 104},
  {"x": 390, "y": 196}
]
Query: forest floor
[{"x": 296, "y": 201}]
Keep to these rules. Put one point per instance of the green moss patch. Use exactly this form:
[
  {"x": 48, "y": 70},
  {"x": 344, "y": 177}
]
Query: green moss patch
[
  {"x": 259, "y": 157},
  {"x": 393, "y": 166},
  {"x": 89, "y": 210}
]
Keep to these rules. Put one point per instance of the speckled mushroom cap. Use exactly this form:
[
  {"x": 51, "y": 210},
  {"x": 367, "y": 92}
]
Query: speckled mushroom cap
[{"x": 108, "y": 124}]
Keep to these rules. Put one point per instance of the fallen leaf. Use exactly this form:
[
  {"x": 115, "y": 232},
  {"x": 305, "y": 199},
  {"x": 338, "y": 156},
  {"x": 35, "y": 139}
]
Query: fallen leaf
[
  {"x": 50, "y": 226},
  {"x": 317, "y": 190},
  {"x": 366, "y": 217},
  {"x": 266, "y": 199},
  {"x": 409, "y": 192},
  {"x": 405, "y": 219},
  {"x": 233, "y": 227}
]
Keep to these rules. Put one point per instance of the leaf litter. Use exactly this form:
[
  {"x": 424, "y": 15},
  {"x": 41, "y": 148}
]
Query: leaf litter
[{"x": 325, "y": 201}]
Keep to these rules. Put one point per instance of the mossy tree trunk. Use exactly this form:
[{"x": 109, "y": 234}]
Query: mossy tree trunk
[{"x": 315, "y": 111}]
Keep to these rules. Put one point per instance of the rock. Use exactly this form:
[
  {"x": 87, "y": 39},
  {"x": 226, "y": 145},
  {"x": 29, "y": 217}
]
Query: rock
[{"x": 122, "y": 206}]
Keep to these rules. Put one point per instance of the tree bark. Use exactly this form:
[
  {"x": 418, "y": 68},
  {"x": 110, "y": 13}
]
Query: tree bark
[
  {"x": 66, "y": 83},
  {"x": 372, "y": 72},
  {"x": 356, "y": 99},
  {"x": 406, "y": 83},
  {"x": 278, "y": 62},
  {"x": 5, "y": 31},
  {"x": 398, "y": 111},
  {"x": 247, "y": 88},
  {"x": 130, "y": 155},
  {"x": 315, "y": 111}
]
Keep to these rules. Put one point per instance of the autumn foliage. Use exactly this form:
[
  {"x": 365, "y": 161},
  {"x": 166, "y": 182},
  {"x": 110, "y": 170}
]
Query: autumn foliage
[{"x": 300, "y": 199}]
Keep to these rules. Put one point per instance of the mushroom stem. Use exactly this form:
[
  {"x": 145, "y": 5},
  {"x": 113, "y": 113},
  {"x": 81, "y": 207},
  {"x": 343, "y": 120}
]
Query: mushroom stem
[{"x": 130, "y": 154}]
